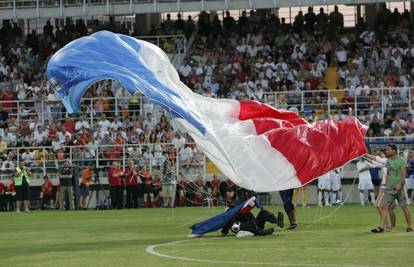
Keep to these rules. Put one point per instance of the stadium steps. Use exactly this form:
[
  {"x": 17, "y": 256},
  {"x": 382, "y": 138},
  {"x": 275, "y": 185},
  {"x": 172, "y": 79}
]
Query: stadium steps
[
  {"x": 331, "y": 78},
  {"x": 211, "y": 168}
]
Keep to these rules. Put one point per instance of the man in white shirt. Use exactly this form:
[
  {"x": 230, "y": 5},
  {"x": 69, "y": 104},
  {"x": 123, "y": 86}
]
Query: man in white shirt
[
  {"x": 186, "y": 156},
  {"x": 185, "y": 69},
  {"x": 178, "y": 141},
  {"x": 81, "y": 124},
  {"x": 115, "y": 124},
  {"x": 324, "y": 187},
  {"x": 364, "y": 180},
  {"x": 149, "y": 121},
  {"x": 104, "y": 123}
]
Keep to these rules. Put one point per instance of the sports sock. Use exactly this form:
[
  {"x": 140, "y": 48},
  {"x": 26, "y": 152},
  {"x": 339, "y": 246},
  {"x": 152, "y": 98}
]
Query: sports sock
[{"x": 361, "y": 198}]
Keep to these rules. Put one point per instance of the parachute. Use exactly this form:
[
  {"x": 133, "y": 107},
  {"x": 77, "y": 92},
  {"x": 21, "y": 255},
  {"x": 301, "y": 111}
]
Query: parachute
[{"x": 258, "y": 147}]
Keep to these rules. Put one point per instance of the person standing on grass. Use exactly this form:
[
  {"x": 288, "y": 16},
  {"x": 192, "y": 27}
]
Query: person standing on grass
[
  {"x": 394, "y": 188},
  {"x": 168, "y": 184},
  {"x": 47, "y": 195},
  {"x": 380, "y": 162},
  {"x": 22, "y": 185},
  {"x": 365, "y": 181},
  {"x": 86, "y": 179},
  {"x": 132, "y": 179},
  {"x": 66, "y": 189},
  {"x": 287, "y": 198},
  {"x": 115, "y": 179}
]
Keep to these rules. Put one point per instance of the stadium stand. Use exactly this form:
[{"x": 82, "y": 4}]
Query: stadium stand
[{"x": 313, "y": 65}]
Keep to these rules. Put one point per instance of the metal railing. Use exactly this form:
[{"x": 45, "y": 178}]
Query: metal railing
[
  {"x": 333, "y": 101},
  {"x": 46, "y": 160},
  {"x": 318, "y": 102}
]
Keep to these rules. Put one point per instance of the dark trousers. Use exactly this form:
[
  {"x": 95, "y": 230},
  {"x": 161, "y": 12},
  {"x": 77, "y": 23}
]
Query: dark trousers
[
  {"x": 116, "y": 194},
  {"x": 287, "y": 198},
  {"x": 11, "y": 202},
  {"x": 256, "y": 225},
  {"x": 132, "y": 196},
  {"x": 46, "y": 200},
  {"x": 3, "y": 202}
]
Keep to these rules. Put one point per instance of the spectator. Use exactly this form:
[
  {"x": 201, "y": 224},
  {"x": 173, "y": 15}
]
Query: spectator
[
  {"x": 86, "y": 179},
  {"x": 22, "y": 185},
  {"x": 168, "y": 184},
  {"x": 115, "y": 180},
  {"x": 47, "y": 194},
  {"x": 66, "y": 187}
]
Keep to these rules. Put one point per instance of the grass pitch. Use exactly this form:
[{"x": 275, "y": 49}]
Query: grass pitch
[{"x": 325, "y": 237}]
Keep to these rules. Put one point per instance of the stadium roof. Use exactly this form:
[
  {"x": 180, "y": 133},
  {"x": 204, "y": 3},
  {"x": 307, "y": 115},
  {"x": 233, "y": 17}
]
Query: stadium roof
[{"x": 41, "y": 9}]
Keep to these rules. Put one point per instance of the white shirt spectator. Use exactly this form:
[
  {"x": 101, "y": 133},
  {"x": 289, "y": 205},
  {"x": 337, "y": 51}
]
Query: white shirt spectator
[
  {"x": 116, "y": 124},
  {"x": 105, "y": 124},
  {"x": 185, "y": 70},
  {"x": 149, "y": 123},
  {"x": 62, "y": 136},
  {"x": 252, "y": 50},
  {"x": 56, "y": 144},
  {"x": 8, "y": 166},
  {"x": 81, "y": 124},
  {"x": 178, "y": 141},
  {"x": 186, "y": 153},
  {"x": 27, "y": 156},
  {"x": 341, "y": 55}
]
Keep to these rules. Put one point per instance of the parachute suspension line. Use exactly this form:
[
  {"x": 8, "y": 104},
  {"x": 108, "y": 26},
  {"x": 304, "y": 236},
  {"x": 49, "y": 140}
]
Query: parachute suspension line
[
  {"x": 322, "y": 218},
  {"x": 207, "y": 197}
]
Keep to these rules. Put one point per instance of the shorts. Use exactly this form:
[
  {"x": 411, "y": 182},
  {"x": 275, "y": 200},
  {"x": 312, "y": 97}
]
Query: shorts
[
  {"x": 376, "y": 182},
  {"x": 365, "y": 184},
  {"x": 335, "y": 182},
  {"x": 378, "y": 201},
  {"x": 324, "y": 182},
  {"x": 390, "y": 195},
  {"x": 410, "y": 182},
  {"x": 84, "y": 190},
  {"x": 168, "y": 190},
  {"x": 22, "y": 193}
]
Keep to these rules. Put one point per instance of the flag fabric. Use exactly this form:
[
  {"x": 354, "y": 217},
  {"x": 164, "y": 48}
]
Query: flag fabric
[
  {"x": 225, "y": 219},
  {"x": 258, "y": 147}
]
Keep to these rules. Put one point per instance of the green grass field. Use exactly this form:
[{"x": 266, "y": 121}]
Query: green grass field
[{"x": 120, "y": 238}]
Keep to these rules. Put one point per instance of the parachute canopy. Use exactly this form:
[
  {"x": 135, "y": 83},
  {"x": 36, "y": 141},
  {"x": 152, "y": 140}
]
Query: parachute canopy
[{"x": 258, "y": 147}]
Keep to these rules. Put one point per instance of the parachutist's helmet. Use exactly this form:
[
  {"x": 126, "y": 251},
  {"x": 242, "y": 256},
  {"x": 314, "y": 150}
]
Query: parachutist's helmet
[{"x": 235, "y": 228}]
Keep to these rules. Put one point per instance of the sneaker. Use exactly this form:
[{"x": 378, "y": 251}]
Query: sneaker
[
  {"x": 292, "y": 226},
  {"x": 377, "y": 230},
  {"x": 18, "y": 210},
  {"x": 279, "y": 221},
  {"x": 409, "y": 229}
]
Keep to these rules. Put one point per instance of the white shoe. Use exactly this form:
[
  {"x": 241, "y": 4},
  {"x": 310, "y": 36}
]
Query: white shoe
[
  {"x": 27, "y": 210},
  {"x": 18, "y": 210}
]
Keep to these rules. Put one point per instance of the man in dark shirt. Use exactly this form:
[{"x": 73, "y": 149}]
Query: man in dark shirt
[{"x": 65, "y": 179}]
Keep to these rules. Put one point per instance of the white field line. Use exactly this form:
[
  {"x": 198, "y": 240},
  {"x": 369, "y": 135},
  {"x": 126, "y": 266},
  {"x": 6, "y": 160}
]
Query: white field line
[{"x": 151, "y": 250}]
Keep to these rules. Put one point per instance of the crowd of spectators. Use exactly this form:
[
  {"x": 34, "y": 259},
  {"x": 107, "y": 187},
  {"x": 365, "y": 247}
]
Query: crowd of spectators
[{"x": 241, "y": 59}]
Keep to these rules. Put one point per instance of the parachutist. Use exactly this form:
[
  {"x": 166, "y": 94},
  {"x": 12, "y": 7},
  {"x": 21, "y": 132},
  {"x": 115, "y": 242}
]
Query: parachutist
[{"x": 254, "y": 225}]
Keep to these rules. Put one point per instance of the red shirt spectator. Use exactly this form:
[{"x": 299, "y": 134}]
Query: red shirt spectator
[
  {"x": 215, "y": 183},
  {"x": 11, "y": 187},
  {"x": 2, "y": 188},
  {"x": 132, "y": 177},
  {"x": 115, "y": 177},
  {"x": 69, "y": 125},
  {"x": 8, "y": 98},
  {"x": 52, "y": 133},
  {"x": 47, "y": 188}
]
